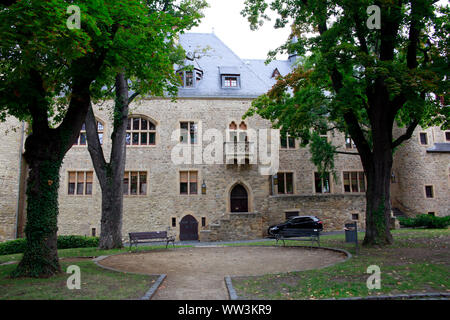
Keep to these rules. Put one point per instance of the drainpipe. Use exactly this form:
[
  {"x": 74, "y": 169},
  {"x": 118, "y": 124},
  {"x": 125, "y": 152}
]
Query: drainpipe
[{"x": 20, "y": 179}]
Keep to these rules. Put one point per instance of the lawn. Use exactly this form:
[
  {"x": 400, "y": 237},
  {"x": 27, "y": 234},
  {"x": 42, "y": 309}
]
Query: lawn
[
  {"x": 96, "y": 283},
  {"x": 417, "y": 262}
]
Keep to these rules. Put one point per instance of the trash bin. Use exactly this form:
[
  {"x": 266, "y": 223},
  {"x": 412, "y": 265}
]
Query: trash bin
[{"x": 351, "y": 234}]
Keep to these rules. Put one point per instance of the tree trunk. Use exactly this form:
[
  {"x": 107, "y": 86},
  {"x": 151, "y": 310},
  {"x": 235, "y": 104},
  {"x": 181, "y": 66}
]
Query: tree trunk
[
  {"x": 378, "y": 207},
  {"x": 110, "y": 175},
  {"x": 40, "y": 258}
]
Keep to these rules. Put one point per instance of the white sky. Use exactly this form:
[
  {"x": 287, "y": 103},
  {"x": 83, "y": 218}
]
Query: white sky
[{"x": 234, "y": 30}]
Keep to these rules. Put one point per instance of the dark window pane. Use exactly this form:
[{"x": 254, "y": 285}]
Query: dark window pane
[
  {"x": 183, "y": 188},
  {"x": 291, "y": 143},
  {"x": 174, "y": 222},
  {"x": 354, "y": 181},
  {"x": 423, "y": 138},
  {"x": 144, "y": 124},
  {"x": 83, "y": 138},
  {"x": 283, "y": 142},
  {"x": 135, "y": 138},
  {"x": 429, "y": 191},
  {"x": 125, "y": 184},
  {"x": 136, "y": 123},
  {"x": 71, "y": 188},
  {"x": 289, "y": 183},
  {"x": 346, "y": 182},
  {"x": 80, "y": 187},
  {"x": 129, "y": 124},
  {"x": 151, "y": 126},
  {"x": 143, "y": 183},
  {"x": 281, "y": 183},
  {"x": 134, "y": 183},
  {"x": 326, "y": 184},
  {"x": 203, "y": 221},
  {"x": 193, "y": 132},
  {"x": 362, "y": 182},
  {"x": 88, "y": 187},
  {"x": 151, "y": 137},
  {"x": 189, "y": 79},
  {"x": 143, "y": 138},
  {"x": 193, "y": 188},
  {"x": 447, "y": 136},
  {"x": 128, "y": 138},
  {"x": 317, "y": 183},
  {"x": 184, "y": 132}
]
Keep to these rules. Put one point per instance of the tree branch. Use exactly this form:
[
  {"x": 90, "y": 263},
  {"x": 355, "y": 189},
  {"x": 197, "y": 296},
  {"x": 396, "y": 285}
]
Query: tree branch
[{"x": 407, "y": 135}]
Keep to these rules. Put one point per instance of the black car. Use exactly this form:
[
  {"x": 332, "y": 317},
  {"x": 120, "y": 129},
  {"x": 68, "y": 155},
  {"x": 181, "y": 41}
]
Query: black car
[{"x": 297, "y": 222}]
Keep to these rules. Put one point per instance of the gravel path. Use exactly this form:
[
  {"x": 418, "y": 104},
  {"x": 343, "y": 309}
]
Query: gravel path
[{"x": 198, "y": 273}]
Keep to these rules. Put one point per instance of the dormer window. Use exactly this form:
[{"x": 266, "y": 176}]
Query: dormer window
[
  {"x": 276, "y": 73},
  {"x": 230, "y": 77},
  {"x": 190, "y": 79},
  {"x": 231, "y": 82}
]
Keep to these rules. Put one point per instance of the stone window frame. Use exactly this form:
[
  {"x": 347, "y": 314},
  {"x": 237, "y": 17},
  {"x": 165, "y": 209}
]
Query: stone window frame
[
  {"x": 314, "y": 184},
  {"x": 294, "y": 187},
  {"x": 350, "y": 171},
  {"x": 199, "y": 132},
  {"x": 138, "y": 194},
  {"x": 288, "y": 136},
  {"x": 427, "y": 137},
  {"x": 85, "y": 172},
  {"x": 238, "y": 81},
  {"x": 433, "y": 191},
  {"x": 199, "y": 178},
  {"x": 102, "y": 132},
  {"x": 445, "y": 136},
  {"x": 351, "y": 142},
  {"x": 155, "y": 131}
]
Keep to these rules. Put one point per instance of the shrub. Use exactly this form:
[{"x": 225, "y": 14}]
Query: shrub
[
  {"x": 64, "y": 242},
  {"x": 425, "y": 221}
]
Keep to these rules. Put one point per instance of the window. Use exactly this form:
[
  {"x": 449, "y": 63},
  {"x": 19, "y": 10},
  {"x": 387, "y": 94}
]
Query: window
[
  {"x": 285, "y": 183},
  {"x": 429, "y": 192},
  {"x": 188, "y": 79},
  {"x": 203, "y": 222},
  {"x": 291, "y": 214},
  {"x": 188, "y": 182},
  {"x": 322, "y": 184},
  {"x": 230, "y": 82},
  {"x": 189, "y": 132},
  {"x": 423, "y": 138},
  {"x": 447, "y": 136},
  {"x": 349, "y": 144},
  {"x": 431, "y": 213},
  {"x": 135, "y": 183},
  {"x": 354, "y": 182},
  {"x": 140, "y": 132},
  {"x": 275, "y": 73},
  {"x": 80, "y": 182},
  {"x": 82, "y": 138},
  {"x": 287, "y": 142},
  {"x": 355, "y": 216},
  {"x": 174, "y": 222}
]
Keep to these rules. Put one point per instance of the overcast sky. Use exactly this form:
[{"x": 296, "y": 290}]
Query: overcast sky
[{"x": 234, "y": 30}]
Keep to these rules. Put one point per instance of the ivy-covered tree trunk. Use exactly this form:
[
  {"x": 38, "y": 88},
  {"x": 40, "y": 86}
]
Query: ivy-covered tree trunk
[
  {"x": 110, "y": 175},
  {"x": 40, "y": 258}
]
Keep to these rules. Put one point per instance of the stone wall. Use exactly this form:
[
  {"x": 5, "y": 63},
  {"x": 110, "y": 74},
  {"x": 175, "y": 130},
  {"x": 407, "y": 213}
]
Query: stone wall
[
  {"x": 10, "y": 159},
  {"x": 414, "y": 168}
]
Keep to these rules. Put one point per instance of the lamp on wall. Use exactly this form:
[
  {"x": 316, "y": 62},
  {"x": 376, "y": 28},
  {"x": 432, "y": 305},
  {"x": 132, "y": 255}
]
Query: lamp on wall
[
  {"x": 393, "y": 178},
  {"x": 203, "y": 187}
]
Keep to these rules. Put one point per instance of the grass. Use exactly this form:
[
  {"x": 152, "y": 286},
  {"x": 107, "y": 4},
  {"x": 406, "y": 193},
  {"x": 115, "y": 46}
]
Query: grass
[
  {"x": 88, "y": 252},
  {"x": 418, "y": 261},
  {"x": 96, "y": 284}
]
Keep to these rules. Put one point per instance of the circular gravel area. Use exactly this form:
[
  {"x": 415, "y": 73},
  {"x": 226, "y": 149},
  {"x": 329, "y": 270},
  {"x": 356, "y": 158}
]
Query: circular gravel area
[{"x": 198, "y": 273}]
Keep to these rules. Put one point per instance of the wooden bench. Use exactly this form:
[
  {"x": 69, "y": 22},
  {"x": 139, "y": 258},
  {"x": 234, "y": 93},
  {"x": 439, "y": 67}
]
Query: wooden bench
[
  {"x": 312, "y": 235},
  {"x": 136, "y": 237}
]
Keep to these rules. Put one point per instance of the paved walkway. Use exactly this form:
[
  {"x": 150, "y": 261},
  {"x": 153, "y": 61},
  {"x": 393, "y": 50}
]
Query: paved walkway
[{"x": 198, "y": 273}]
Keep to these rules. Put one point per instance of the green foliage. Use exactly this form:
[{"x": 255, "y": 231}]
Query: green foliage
[
  {"x": 64, "y": 242},
  {"x": 425, "y": 220}
]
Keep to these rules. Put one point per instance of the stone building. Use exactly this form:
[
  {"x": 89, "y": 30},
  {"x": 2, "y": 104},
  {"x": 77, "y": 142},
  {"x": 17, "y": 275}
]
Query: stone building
[{"x": 231, "y": 197}]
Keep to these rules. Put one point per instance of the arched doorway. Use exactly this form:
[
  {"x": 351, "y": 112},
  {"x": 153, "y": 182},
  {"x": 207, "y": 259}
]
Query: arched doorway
[
  {"x": 239, "y": 199},
  {"x": 188, "y": 228}
]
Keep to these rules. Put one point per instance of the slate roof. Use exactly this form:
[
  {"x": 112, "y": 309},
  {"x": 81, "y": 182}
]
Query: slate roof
[
  {"x": 214, "y": 58},
  {"x": 440, "y": 148}
]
